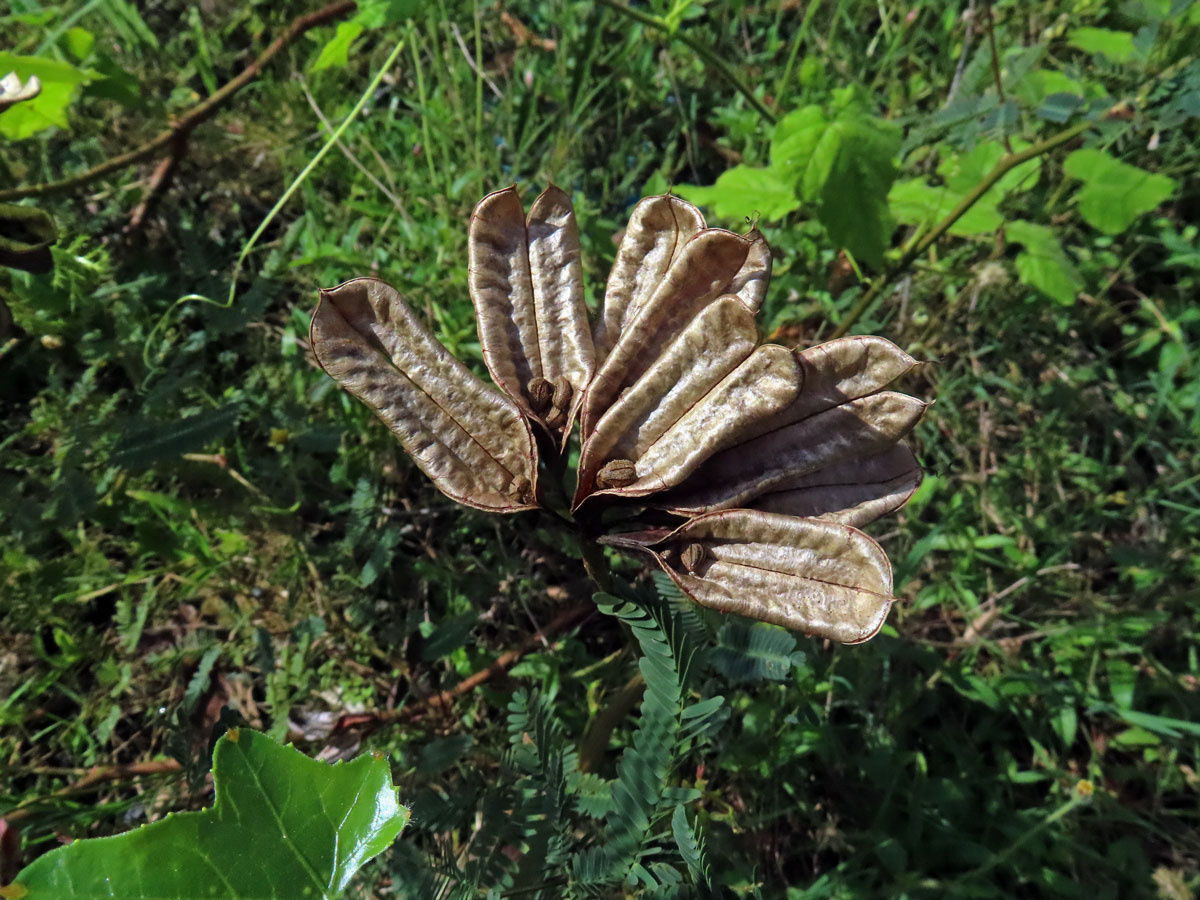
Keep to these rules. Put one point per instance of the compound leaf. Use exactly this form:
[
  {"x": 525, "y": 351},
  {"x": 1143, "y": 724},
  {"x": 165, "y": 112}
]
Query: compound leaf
[{"x": 1115, "y": 193}]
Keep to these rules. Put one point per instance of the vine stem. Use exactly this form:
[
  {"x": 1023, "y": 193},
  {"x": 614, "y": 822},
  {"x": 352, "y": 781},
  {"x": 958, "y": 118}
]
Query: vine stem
[
  {"x": 198, "y": 114},
  {"x": 1006, "y": 164},
  {"x": 706, "y": 53}
]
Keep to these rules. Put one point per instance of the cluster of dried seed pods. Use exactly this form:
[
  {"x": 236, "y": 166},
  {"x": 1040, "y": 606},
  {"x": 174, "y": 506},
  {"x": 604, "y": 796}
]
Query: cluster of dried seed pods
[{"x": 772, "y": 457}]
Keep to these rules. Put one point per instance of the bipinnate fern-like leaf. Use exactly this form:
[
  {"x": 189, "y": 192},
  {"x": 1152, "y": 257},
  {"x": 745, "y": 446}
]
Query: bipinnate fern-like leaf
[
  {"x": 471, "y": 441},
  {"x": 750, "y": 652}
]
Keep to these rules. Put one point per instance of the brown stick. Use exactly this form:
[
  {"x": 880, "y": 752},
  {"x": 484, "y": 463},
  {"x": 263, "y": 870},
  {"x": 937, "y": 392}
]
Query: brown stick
[
  {"x": 98, "y": 775},
  {"x": 200, "y": 113}
]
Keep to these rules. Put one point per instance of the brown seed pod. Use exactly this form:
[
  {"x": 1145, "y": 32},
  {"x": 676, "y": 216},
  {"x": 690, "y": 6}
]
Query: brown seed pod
[
  {"x": 818, "y": 577},
  {"x": 721, "y": 337},
  {"x": 841, "y": 415},
  {"x": 527, "y": 286},
  {"x": 658, "y": 229},
  {"x": 469, "y": 439},
  {"x": 853, "y": 492},
  {"x": 709, "y": 265},
  {"x": 616, "y": 473}
]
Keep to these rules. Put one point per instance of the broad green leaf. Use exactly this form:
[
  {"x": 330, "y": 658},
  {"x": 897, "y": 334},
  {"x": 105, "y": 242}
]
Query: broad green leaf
[
  {"x": 336, "y": 51},
  {"x": 744, "y": 190},
  {"x": 795, "y": 138},
  {"x": 848, "y": 178},
  {"x": 1115, "y": 193},
  {"x": 79, "y": 41},
  {"x": 1117, "y": 46},
  {"x": 59, "y": 80},
  {"x": 283, "y": 827},
  {"x": 1044, "y": 264},
  {"x": 914, "y": 202}
]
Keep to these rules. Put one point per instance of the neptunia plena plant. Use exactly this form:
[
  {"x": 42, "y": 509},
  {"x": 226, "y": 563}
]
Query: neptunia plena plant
[{"x": 770, "y": 458}]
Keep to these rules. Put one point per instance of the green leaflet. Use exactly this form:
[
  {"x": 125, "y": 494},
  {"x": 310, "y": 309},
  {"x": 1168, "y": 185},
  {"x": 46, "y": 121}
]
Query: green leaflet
[
  {"x": 311, "y": 827},
  {"x": 1115, "y": 193},
  {"x": 838, "y": 162},
  {"x": 916, "y": 202},
  {"x": 1116, "y": 46},
  {"x": 336, "y": 51},
  {"x": 1044, "y": 264}
]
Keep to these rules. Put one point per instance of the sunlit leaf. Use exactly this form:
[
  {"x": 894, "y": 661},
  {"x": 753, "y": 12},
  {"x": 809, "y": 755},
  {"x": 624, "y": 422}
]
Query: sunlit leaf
[
  {"x": 336, "y": 51},
  {"x": 59, "y": 83},
  {"x": 745, "y": 191},
  {"x": 1044, "y": 264},
  {"x": 283, "y": 826},
  {"x": 1116, "y": 46},
  {"x": 1115, "y": 193}
]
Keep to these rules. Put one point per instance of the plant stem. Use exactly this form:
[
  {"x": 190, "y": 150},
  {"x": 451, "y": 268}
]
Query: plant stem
[
  {"x": 1006, "y": 164},
  {"x": 199, "y": 113},
  {"x": 706, "y": 53}
]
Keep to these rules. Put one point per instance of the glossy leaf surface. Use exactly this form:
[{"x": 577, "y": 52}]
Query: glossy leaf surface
[
  {"x": 527, "y": 287},
  {"x": 283, "y": 827},
  {"x": 470, "y": 440},
  {"x": 809, "y": 575}
]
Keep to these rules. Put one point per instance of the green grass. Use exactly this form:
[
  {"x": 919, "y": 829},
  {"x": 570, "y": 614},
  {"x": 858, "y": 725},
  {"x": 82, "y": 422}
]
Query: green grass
[{"x": 194, "y": 518}]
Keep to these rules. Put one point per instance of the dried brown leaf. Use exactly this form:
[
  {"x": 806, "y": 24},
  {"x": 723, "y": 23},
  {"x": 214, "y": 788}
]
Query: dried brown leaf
[
  {"x": 852, "y": 492},
  {"x": 527, "y": 286},
  {"x": 658, "y": 229},
  {"x": 714, "y": 262},
  {"x": 819, "y": 577},
  {"x": 468, "y": 438}
]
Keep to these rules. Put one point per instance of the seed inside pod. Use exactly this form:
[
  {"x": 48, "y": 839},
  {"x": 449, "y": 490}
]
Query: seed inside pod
[
  {"x": 616, "y": 473},
  {"x": 541, "y": 393},
  {"x": 692, "y": 556},
  {"x": 518, "y": 489},
  {"x": 562, "y": 393}
]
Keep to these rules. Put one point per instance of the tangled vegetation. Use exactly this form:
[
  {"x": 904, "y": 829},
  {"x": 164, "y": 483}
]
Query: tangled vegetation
[{"x": 201, "y": 532}]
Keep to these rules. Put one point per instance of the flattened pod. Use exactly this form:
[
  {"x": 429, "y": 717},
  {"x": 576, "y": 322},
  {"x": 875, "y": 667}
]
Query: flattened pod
[
  {"x": 709, "y": 265},
  {"x": 527, "y": 286},
  {"x": 765, "y": 382},
  {"x": 853, "y": 492},
  {"x": 780, "y": 459},
  {"x": 818, "y": 577},
  {"x": 657, "y": 231},
  {"x": 468, "y": 438},
  {"x": 721, "y": 337}
]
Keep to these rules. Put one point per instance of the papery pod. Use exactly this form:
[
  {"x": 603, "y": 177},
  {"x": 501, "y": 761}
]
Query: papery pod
[
  {"x": 762, "y": 385},
  {"x": 822, "y": 578},
  {"x": 713, "y": 263},
  {"x": 527, "y": 286},
  {"x": 780, "y": 459},
  {"x": 842, "y": 414},
  {"x": 853, "y": 492},
  {"x": 658, "y": 229},
  {"x": 468, "y": 438},
  {"x": 719, "y": 339}
]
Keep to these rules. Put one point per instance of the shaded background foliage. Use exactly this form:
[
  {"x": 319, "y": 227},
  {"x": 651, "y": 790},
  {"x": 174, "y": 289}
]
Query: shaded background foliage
[{"x": 198, "y": 525}]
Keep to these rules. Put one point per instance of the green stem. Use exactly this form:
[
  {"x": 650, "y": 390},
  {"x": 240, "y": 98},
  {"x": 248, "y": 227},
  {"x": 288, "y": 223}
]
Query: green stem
[
  {"x": 1006, "y": 164},
  {"x": 706, "y": 53}
]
